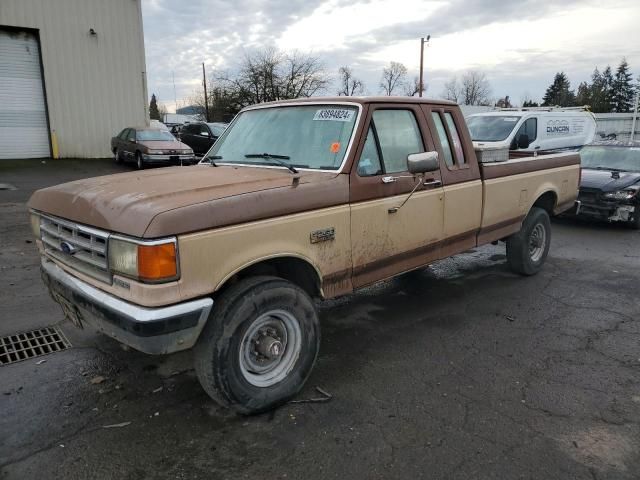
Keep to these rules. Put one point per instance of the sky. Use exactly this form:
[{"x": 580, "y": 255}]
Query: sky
[{"x": 519, "y": 46}]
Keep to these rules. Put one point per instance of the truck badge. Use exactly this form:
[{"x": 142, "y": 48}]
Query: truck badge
[{"x": 323, "y": 235}]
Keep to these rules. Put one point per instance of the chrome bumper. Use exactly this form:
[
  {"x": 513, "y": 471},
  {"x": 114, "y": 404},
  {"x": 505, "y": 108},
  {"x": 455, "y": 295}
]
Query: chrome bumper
[
  {"x": 150, "y": 330},
  {"x": 168, "y": 158}
]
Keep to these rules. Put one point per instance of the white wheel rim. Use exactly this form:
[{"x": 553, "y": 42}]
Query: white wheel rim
[
  {"x": 280, "y": 329},
  {"x": 537, "y": 242}
]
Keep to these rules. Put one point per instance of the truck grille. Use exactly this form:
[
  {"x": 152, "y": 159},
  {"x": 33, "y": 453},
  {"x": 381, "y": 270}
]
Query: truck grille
[
  {"x": 82, "y": 248},
  {"x": 587, "y": 195}
]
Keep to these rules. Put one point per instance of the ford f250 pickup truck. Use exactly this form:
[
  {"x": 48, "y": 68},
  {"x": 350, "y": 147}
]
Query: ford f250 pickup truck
[{"x": 297, "y": 200}]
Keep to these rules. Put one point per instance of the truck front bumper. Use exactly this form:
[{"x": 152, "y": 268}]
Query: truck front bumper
[{"x": 156, "y": 331}]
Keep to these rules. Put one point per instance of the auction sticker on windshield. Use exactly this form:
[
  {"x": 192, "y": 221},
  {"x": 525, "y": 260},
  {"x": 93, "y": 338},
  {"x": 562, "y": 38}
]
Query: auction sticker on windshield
[{"x": 334, "y": 114}]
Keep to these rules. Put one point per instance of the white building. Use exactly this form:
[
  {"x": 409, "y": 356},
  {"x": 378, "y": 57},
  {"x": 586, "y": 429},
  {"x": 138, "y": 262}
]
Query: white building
[{"x": 72, "y": 74}]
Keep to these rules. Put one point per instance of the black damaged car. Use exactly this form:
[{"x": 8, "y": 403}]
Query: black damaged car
[{"x": 610, "y": 183}]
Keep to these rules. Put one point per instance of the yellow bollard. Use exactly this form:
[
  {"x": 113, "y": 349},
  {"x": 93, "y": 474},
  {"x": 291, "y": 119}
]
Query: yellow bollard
[{"x": 54, "y": 144}]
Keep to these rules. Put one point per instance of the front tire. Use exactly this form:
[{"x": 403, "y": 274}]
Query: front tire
[
  {"x": 139, "y": 161},
  {"x": 527, "y": 250},
  {"x": 259, "y": 345},
  {"x": 635, "y": 223}
]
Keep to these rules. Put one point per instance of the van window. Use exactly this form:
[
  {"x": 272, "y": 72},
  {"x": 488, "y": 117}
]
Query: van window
[
  {"x": 455, "y": 138},
  {"x": 528, "y": 128},
  {"x": 444, "y": 141}
]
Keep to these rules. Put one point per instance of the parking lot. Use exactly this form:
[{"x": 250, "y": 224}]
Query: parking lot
[{"x": 463, "y": 370}]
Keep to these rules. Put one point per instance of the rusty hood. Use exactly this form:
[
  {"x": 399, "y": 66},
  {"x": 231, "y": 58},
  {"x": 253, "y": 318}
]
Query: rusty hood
[{"x": 175, "y": 200}]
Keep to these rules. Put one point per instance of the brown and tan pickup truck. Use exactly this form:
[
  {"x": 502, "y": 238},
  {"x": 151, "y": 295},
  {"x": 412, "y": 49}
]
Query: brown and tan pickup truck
[{"x": 297, "y": 200}]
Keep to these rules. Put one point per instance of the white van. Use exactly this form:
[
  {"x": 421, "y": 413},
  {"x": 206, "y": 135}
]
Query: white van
[{"x": 537, "y": 129}]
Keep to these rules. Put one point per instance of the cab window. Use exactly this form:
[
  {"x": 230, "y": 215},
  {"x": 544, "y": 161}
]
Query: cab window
[
  {"x": 455, "y": 138},
  {"x": 444, "y": 140},
  {"x": 369, "y": 163}
]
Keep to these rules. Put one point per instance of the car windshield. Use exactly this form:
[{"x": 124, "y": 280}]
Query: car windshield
[
  {"x": 491, "y": 128},
  {"x": 217, "y": 128},
  {"x": 311, "y": 136},
  {"x": 154, "y": 135},
  {"x": 612, "y": 158}
]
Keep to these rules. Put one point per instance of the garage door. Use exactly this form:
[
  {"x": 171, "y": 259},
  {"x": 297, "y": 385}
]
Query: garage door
[{"x": 23, "y": 117}]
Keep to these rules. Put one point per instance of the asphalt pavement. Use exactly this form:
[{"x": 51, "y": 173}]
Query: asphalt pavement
[{"x": 459, "y": 371}]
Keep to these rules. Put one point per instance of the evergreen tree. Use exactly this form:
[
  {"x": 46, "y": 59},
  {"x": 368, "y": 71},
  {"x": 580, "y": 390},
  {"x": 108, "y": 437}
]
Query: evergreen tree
[
  {"x": 607, "y": 85},
  {"x": 559, "y": 92},
  {"x": 598, "y": 93},
  {"x": 154, "y": 113},
  {"x": 622, "y": 91},
  {"x": 530, "y": 103},
  {"x": 583, "y": 96}
]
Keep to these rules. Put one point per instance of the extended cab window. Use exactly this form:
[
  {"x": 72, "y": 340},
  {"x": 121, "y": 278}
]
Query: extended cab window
[
  {"x": 444, "y": 140},
  {"x": 399, "y": 136},
  {"x": 455, "y": 138}
]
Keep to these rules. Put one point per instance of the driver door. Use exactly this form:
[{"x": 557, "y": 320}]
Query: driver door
[{"x": 386, "y": 241}]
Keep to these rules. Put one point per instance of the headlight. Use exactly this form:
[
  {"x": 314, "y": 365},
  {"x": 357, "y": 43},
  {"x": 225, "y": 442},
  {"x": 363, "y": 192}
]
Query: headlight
[
  {"x": 620, "y": 195},
  {"x": 34, "y": 218},
  {"x": 156, "y": 152},
  {"x": 155, "y": 261},
  {"x": 187, "y": 152}
]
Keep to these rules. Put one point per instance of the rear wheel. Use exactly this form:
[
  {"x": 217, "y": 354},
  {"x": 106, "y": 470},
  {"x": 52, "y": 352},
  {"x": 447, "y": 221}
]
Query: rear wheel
[
  {"x": 116, "y": 156},
  {"x": 259, "y": 344},
  {"x": 139, "y": 161},
  {"x": 527, "y": 250}
]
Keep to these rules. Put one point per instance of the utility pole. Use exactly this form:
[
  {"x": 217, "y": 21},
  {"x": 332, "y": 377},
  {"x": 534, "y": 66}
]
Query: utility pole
[
  {"x": 206, "y": 100},
  {"x": 422, "y": 42},
  {"x": 635, "y": 115},
  {"x": 175, "y": 97}
]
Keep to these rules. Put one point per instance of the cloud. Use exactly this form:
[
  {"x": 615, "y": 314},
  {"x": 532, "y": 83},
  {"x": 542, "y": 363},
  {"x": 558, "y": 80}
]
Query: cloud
[{"x": 519, "y": 45}]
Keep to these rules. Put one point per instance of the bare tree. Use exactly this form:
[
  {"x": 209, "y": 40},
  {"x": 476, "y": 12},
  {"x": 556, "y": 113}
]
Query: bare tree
[
  {"x": 393, "y": 78},
  {"x": 475, "y": 89},
  {"x": 349, "y": 85},
  {"x": 413, "y": 88},
  {"x": 452, "y": 90}
]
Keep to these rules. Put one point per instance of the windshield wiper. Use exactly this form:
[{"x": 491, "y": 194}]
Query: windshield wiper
[
  {"x": 211, "y": 159},
  {"x": 609, "y": 168},
  {"x": 277, "y": 158}
]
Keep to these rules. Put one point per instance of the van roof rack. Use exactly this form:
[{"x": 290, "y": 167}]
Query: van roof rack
[{"x": 584, "y": 108}]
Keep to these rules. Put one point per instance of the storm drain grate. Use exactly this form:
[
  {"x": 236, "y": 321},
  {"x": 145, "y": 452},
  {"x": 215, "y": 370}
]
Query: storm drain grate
[{"x": 23, "y": 346}]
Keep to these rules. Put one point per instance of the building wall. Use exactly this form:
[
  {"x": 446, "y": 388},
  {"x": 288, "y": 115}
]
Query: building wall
[
  {"x": 619, "y": 124},
  {"x": 95, "y": 85}
]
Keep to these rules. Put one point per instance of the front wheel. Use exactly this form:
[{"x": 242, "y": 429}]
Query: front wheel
[
  {"x": 139, "y": 161},
  {"x": 259, "y": 345},
  {"x": 635, "y": 222},
  {"x": 527, "y": 250}
]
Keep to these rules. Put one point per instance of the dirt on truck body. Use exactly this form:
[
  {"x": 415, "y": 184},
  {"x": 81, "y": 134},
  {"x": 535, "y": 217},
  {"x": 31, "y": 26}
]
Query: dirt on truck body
[{"x": 297, "y": 200}]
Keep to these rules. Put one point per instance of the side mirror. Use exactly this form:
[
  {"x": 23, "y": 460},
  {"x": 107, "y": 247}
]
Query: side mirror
[
  {"x": 523, "y": 140},
  {"x": 205, "y": 134},
  {"x": 423, "y": 162}
]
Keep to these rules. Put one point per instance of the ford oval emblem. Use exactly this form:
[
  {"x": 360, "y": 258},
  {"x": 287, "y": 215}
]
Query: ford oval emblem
[{"x": 67, "y": 248}]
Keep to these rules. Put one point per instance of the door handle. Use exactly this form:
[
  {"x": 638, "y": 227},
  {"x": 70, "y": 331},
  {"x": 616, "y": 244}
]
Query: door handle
[
  {"x": 388, "y": 179},
  {"x": 433, "y": 183}
]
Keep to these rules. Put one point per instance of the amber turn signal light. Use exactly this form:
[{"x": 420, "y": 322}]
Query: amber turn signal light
[{"x": 157, "y": 262}]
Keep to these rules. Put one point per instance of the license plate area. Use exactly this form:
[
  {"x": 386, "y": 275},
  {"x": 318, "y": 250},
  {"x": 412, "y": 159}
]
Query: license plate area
[
  {"x": 174, "y": 158},
  {"x": 70, "y": 311}
]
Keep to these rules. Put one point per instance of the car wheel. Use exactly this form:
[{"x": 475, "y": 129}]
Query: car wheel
[
  {"x": 527, "y": 250},
  {"x": 139, "y": 161},
  {"x": 259, "y": 345},
  {"x": 116, "y": 156}
]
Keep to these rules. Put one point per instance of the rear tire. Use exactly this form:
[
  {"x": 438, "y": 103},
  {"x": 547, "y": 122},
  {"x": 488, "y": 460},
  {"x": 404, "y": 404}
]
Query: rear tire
[
  {"x": 527, "y": 250},
  {"x": 139, "y": 161},
  {"x": 259, "y": 345},
  {"x": 116, "y": 156}
]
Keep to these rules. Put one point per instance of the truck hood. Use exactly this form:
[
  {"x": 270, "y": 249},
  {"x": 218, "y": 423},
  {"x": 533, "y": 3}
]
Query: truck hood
[
  {"x": 602, "y": 180},
  {"x": 171, "y": 201}
]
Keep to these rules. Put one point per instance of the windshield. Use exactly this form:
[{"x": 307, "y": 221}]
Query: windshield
[
  {"x": 491, "y": 128},
  {"x": 613, "y": 158},
  {"x": 311, "y": 136},
  {"x": 154, "y": 135}
]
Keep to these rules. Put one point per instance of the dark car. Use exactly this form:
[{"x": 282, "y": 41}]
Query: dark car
[
  {"x": 610, "y": 182},
  {"x": 150, "y": 146},
  {"x": 200, "y": 135}
]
